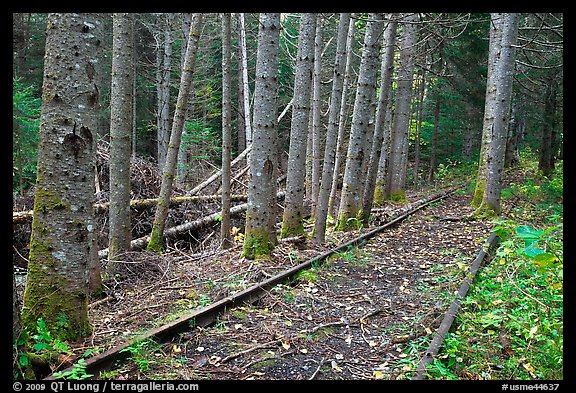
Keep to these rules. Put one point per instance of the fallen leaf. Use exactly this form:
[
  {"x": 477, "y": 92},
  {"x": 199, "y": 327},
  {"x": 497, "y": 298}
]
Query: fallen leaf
[
  {"x": 304, "y": 350},
  {"x": 428, "y": 330},
  {"x": 335, "y": 367},
  {"x": 200, "y": 349},
  {"x": 339, "y": 356},
  {"x": 176, "y": 349},
  {"x": 378, "y": 375},
  {"x": 286, "y": 345}
]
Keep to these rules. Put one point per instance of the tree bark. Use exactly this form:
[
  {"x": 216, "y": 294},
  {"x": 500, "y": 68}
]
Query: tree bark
[
  {"x": 121, "y": 100},
  {"x": 245, "y": 85},
  {"x": 380, "y": 133},
  {"x": 350, "y": 203},
  {"x": 260, "y": 236},
  {"x": 401, "y": 123},
  {"x": 63, "y": 222},
  {"x": 168, "y": 175},
  {"x": 225, "y": 225},
  {"x": 493, "y": 57},
  {"x": 343, "y": 114},
  {"x": 164, "y": 64},
  {"x": 419, "y": 118},
  {"x": 316, "y": 112},
  {"x": 496, "y": 150},
  {"x": 292, "y": 221},
  {"x": 319, "y": 232},
  {"x": 546, "y": 160},
  {"x": 434, "y": 146}
]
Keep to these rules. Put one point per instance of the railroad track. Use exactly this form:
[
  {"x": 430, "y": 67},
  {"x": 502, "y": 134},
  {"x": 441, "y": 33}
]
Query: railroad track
[{"x": 208, "y": 315}]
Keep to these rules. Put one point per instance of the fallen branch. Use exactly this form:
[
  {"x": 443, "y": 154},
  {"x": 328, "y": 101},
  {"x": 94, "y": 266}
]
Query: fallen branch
[
  {"x": 270, "y": 344},
  {"x": 191, "y": 225},
  {"x": 218, "y": 173},
  {"x": 25, "y": 216}
]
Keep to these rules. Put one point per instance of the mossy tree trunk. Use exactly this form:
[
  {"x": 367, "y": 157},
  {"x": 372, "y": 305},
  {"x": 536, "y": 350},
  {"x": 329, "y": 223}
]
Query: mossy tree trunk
[
  {"x": 156, "y": 236},
  {"x": 399, "y": 134},
  {"x": 493, "y": 56},
  {"x": 495, "y": 152},
  {"x": 292, "y": 220},
  {"x": 225, "y": 224},
  {"x": 350, "y": 202},
  {"x": 63, "y": 221},
  {"x": 321, "y": 213},
  {"x": 260, "y": 236},
  {"x": 120, "y": 234},
  {"x": 380, "y": 130}
]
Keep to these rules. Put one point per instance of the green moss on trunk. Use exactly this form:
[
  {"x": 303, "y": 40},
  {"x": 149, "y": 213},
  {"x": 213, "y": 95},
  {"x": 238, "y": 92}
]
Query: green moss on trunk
[
  {"x": 155, "y": 243},
  {"x": 486, "y": 211},
  {"x": 379, "y": 195},
  {"x": 257, "y": 245},
  {"x": 293, "y": 226},
  {"x": 478, "y": 193},
  {"x": 398, "y": 196}
]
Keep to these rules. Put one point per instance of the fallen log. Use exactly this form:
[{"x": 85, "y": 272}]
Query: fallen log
[
  {"x": 25, "y": 216},
  {"x": 141, "y": 242}
]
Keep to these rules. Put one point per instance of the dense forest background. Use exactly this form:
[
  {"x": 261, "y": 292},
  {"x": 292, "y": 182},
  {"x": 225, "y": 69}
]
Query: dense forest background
[{"x": 452, "y": 51}]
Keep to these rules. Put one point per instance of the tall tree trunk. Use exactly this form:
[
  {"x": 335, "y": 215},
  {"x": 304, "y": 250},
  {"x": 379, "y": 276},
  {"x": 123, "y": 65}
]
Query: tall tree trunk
[
  {"x": 343, "y": 114},
  {"x": 260, "y": 236},
  {"x": 245, "y": 85},
  {"x": 434, "y": 147},
  {"x": 350, "y": 202},
  {"x": 401, "y": 124},
  {"x": 496, "y": 150},
  {"x": 63, "y": 221},
  {"x": 316, "y": 112},
  {"x": 380, "y": 131},
  {"x": 225, "y": 224},
  {"x": 121, "y": 100},
  {"x": 546, "y": 161},
  {"x": 164, "y": 63},
  {"x": 382, "y": 186},
  {"x": 292, "y": 221},
  {"x": 321, "y": 213},
  {"x": 156, "y": 236},
  {"x": 493, "y": 57},
  {"x": 419, "y": 118}
]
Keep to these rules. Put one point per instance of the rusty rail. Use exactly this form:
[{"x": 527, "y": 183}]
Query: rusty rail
[{"x": 448, "y": 319}]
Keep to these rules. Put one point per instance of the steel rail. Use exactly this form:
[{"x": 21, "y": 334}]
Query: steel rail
[{"x": 207, "y": 315}]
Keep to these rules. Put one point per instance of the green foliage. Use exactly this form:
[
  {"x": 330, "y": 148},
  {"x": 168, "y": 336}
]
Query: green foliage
[
  {"x": 78, "y": 372},
  {"x": 201, "y": 140},
  {"x": 42, "y": 346},
  {"x": 142, "y": 353},
  {"x": 25, "y": 133},
  {"x": 511, "y": 322}
]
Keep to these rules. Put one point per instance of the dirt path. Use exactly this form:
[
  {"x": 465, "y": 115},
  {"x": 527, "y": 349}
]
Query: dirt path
[{"x": 366, "y": 314}]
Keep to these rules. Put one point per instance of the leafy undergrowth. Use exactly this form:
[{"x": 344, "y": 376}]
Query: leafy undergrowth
[{"x": 510, "y": 325}]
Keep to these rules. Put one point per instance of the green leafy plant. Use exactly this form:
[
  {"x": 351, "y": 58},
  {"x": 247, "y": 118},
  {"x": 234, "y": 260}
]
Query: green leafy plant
[
  {"x": 78, "y": 372},
  {"x": 142, "y": 353}
]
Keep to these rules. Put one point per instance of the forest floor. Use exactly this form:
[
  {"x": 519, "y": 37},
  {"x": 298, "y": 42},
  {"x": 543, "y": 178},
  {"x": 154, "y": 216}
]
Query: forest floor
[{"x": 353, "y": 317}]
